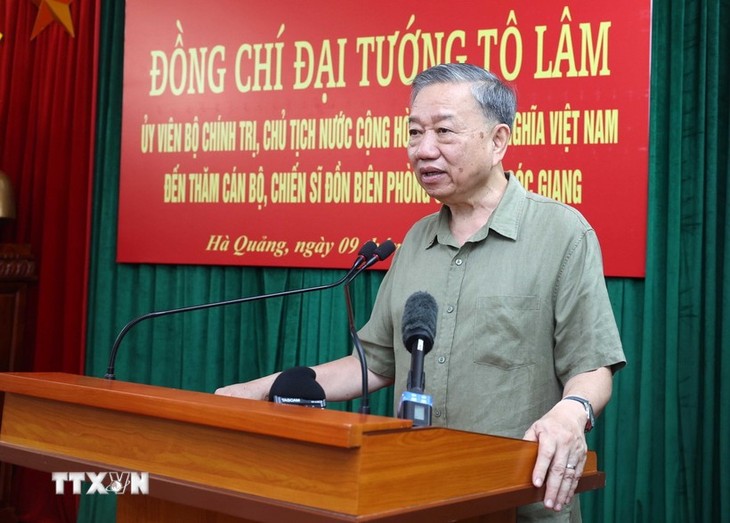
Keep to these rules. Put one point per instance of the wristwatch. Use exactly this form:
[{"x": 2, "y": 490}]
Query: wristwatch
[{"x": 590, "y": 419}]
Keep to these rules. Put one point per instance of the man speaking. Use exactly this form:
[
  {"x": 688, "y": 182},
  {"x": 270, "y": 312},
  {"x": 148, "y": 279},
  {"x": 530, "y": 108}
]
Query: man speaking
[{"x": 526, "y": 343}]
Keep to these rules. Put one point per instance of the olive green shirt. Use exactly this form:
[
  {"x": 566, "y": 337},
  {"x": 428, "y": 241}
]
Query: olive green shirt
[{"x": 523, "y": 307}]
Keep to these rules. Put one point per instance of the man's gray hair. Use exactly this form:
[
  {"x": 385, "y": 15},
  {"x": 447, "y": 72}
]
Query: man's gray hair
[{"x": 497, "y": 99}]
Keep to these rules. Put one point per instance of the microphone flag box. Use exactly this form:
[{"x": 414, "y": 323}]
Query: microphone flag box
[
  {"x": 303, "y": 402},
  {"x": 416, "y": 407}
]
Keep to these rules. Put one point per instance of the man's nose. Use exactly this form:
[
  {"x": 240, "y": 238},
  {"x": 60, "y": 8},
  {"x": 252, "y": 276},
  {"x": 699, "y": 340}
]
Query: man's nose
[{"x": 427, "y": 146}]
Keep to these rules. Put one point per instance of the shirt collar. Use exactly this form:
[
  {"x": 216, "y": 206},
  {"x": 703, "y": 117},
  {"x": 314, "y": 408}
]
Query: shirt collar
[{"x": 505, "y": 219}]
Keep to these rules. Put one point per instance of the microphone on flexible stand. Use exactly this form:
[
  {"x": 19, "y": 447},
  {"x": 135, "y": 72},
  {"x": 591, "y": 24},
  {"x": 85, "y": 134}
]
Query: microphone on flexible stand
[
  {"x": 383, "y": 251},
  {"x": 419, "y": 329},
  {"x": 365, "y": 256},
  {"x": 379, "y": 254}
]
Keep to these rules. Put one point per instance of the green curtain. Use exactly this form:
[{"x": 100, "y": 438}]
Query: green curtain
[{"x": 661, "y": 441}]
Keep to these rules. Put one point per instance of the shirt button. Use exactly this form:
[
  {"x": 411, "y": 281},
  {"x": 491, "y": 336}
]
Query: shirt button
[
  {"x": 437, "y": 413},
  {"x": 459, "y": 262},
  {"x": 441, "y": 359},
  {"x": 450, "y": 308}
]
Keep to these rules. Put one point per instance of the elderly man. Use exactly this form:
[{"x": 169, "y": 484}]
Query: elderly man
[{"x": 526, "y": 344}]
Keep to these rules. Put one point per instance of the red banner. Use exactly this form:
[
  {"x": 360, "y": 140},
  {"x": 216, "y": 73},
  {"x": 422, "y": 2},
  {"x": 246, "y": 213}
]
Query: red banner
[{"x": 274, "y": 133}]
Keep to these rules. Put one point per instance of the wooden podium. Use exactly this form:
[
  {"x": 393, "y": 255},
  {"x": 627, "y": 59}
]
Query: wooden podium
[{"x": 221, "y": 459}]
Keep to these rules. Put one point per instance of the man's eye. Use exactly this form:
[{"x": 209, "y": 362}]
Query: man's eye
[
  {"x": 443, "y": 130},
  {"x": 414, "y": 132}
]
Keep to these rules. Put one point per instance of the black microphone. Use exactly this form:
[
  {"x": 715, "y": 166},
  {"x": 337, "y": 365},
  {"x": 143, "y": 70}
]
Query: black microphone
[
  {"x": 379, "y": 254},
  {"x": 383, "y": 251},
  {"x": 298, "y": 386},
  {"x": 364, "y": 256},
  {"x": 419, "y": 329}
]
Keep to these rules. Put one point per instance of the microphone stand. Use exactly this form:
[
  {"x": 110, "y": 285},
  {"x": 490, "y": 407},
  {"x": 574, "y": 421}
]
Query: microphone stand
[
  {"x": 354, "y": 271},
  {"x": 381, "y": 253},
  {"x": 365, "y": 398}
]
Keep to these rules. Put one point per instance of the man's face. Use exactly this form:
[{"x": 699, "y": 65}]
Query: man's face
[{"x": 451, "y": 145}]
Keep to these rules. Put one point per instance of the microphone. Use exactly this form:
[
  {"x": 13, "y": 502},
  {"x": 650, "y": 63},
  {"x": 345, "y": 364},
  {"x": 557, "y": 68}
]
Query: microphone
[
  {"x": 298, "y": 386},
  {"x": 379, "y": 254},
  {"x": 383, "y": 251},
  {"x": 364, "y": 256},
  {"x": 419, "y": 329}
]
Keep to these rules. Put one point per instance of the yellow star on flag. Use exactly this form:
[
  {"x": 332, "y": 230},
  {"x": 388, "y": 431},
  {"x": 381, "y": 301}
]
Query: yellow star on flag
[{"x": 50, "y": 11}]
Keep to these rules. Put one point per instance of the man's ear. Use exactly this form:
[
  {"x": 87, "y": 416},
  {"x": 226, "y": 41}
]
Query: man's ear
[{"x": 500, "y": 139}]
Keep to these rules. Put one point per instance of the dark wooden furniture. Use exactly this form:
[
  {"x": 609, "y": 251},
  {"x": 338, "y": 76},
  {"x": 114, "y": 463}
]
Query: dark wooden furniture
[
  {"x": 18, "y": 271},
  {"x": 17, "y": 274}
]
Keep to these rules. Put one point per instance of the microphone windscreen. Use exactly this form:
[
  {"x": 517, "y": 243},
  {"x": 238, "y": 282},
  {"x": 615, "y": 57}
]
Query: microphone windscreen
[
  {"x": 297, "y": 386},
  {"x": 419, "y": 320},
  {"x": 368, "y": 249},
  {"x": 385, "y": 249}
]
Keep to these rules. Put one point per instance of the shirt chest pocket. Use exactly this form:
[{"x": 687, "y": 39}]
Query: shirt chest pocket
[{"x": 505, "y": 330}]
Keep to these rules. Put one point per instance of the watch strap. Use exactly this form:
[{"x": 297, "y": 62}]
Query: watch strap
[{"x": 590, "y": 418}]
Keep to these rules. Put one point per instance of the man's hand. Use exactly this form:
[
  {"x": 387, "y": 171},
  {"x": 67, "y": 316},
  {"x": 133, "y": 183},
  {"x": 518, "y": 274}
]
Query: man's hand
[
  {"x": 561, "y": 453},
  {"x": 254, "y": 390}
]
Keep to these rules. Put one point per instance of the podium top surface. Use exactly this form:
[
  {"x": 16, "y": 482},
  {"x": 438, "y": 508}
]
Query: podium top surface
[{"x": 327, "y": 427}]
